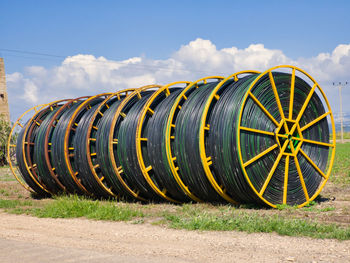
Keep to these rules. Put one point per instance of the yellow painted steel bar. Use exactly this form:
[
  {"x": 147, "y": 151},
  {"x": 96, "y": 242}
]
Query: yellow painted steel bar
[
  {"x": 285, "y": 184},
  {"x": 301, "y": 179},
  {"x": 307, "y": 100},
  {"x": 290, "y": 116},
  {"x": 315, "y": 121},
  {"x": 263, "y": 108},
  {"x": 315, "y": 142},
  {"x": 268, "y": 179},
  {"x": 313, "y": 164},
  {"x": 279, "y": 105},
  {"x": 257, "y": 157},
  {"x": 257, "y": 131}
]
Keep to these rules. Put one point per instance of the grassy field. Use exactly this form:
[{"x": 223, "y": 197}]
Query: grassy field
[{"x": 328, "y": 217}]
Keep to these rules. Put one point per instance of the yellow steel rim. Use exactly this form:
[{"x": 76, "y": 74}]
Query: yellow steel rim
[
  {"x": 73, "y": 174},
  {"x": 145, "y": 110},
  {"x": 119, "y": 113},
  {"x": 206, "y": 160},
  {"x": 9, "y": 146},
  {"x": 295, "y": 126},
  {"x": 88, "y": 141},
  {"x": 171, "y": 125}
]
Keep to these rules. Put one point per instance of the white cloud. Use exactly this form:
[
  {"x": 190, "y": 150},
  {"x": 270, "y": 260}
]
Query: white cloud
[{"x": 85, "y": 74}]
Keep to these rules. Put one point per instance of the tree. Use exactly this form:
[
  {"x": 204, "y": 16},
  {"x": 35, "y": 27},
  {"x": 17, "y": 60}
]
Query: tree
[{"x": 5, "y": 130}]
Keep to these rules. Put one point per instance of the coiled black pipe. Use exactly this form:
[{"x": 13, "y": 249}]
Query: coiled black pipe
[
  {"x": 80, "y": 152},
  {"x": 21, "y": 164},
  {"x": 155, "y": 130},
  {"x": 57, "y": 150},
  {"x": 126, "y": 150},
  {"x": 186, "y": 144},
  {"x": 102, "y": 148},
  {"x": 247, "y": 140},
  {"x": 40, "y": 157},
  {"x": 222, "y": 140}
]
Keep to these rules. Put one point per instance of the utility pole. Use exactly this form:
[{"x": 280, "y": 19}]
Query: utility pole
[{"x": 340, "y": 86}]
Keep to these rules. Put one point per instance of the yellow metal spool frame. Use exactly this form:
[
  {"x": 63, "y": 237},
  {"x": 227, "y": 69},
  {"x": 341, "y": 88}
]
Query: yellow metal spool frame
[
  {"x": 290, "y": 133},
  {"x": 73, "y": 174},
  {"x": 53, "y": 122},
  {"x": 36, "y": 109},
  {"x": 204, "y": 127},
  {"x": 171, "y": 125},
  {"x": 111, "y": 141},
  {"x": 119, "y": 94},
  {"x": 147, "y": 110}
]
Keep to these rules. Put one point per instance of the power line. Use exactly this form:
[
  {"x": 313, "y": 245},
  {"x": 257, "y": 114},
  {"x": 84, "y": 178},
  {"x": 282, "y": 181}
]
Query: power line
[{"x": 110, "y": 61}]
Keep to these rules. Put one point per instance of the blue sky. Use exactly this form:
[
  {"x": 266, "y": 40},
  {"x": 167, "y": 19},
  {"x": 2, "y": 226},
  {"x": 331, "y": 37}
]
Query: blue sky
[{"x": 155, "y": 32}]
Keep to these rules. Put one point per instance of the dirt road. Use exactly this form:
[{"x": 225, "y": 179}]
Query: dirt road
[{"x": 29, "y": 239}]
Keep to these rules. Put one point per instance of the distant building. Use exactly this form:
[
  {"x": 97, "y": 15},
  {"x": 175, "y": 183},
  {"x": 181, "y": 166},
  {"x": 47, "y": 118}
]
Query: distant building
[{"x": 4, "y": 105}]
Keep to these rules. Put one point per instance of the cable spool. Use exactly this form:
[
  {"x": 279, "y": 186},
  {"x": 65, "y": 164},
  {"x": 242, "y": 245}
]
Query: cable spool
[
  {"x": 269, "y": 144},
  {"x": 88, "y": 152},
  {"x": 39, "y": 155},
  {"x": 250, "y": 138},
  {"x": 150, "y": 143},
  {"x": 232, "y": 82},
  {"x": 111, "y": 148},
  {"x": 73, "y": 146},
  {"x": 12, "y": 164},
  {"x": 24, "y": 152},
  {"x": 56, "y": 132},
  {"x": 182, "y": 145},
  {"x": 169, "y": 135}
]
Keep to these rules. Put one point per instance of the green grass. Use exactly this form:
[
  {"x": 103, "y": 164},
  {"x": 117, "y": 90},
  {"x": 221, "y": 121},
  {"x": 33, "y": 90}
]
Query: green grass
[
  {"x": 341, "y": 167},
  {"x": 74, "y": 206},
  {"x": 255, "y": 223},
  {"x": 187, "y": 216},
  {"x": 5, "y": 204},
  {"x": 285, "y": 220}
]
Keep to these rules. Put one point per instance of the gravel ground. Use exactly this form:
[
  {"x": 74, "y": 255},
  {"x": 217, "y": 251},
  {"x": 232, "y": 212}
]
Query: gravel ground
[{"x": 29, "y": 239}]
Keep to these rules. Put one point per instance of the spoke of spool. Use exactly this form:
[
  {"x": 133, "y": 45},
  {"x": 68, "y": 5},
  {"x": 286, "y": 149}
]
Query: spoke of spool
[
  {"x": 314, "y": 142},
  {"x": 290, "y": 115},
  {"x": 313, "y": 164},
  {"x": 263, "y": 108},
  {"x": 315, "y": 121},
  {"x": 273, "y": 85},
  {"x": 260, "y": 155},
  {"x": 150, "y": 111},
  {"x": 301, "y": 178},
  {"x": 285, "y": 185},
  {"x": 268, "y": 179},
  {"x": 256, "y": 131},
  {"x": 306, "y": 102}
]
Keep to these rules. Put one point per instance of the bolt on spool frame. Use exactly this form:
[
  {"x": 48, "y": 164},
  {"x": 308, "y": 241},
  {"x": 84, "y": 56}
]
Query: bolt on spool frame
[
  {"x": 205, "y": 127},
  {"x": 171, "y": 125},
  {"x": 288, "y": 135}
]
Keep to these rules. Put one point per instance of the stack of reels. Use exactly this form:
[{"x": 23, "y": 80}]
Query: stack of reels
[{"x": 249, "y": 138}]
